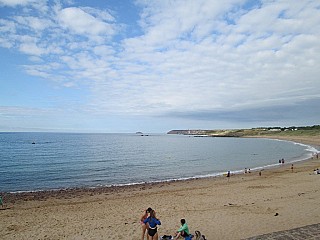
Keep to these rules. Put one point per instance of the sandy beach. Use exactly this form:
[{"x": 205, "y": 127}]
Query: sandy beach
[{"x": 242, "y": 206}]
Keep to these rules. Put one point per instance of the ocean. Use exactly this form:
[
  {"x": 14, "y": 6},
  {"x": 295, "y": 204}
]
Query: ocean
[{"x": 47, "y": 161}]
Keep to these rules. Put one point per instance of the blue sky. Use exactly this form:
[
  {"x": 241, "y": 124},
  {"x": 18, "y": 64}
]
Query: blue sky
[{"x": 153, "y": 66}]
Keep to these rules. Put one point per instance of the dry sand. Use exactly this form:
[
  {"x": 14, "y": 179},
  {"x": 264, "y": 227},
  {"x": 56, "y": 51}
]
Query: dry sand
[{"x": 241, "y": 207}]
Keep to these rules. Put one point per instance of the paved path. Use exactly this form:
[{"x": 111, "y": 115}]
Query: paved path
[{"x": 310, "y": 232}]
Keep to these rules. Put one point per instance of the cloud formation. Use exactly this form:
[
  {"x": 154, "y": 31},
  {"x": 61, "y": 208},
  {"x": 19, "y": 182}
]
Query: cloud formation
[
  {"x": 188, "y": 57},
  {"x": 78, "y": 21}
]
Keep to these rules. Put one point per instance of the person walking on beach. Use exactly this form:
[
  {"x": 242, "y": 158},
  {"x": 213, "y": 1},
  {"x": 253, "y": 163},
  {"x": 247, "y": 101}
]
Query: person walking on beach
[
  {"x": 143, "y": 225},
  {"x": 183, "y": 231},
  {"x": 152, "y": 222}
]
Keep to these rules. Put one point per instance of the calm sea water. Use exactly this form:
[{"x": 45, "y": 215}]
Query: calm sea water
[{"x": 64, "y": 160}]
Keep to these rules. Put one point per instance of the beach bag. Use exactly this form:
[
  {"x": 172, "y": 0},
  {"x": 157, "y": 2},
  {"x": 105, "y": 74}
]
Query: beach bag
[{"x": 166, "y": 237}]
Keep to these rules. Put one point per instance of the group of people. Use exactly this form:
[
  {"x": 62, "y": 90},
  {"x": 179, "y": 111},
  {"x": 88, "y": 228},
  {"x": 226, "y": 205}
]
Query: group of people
[
  {"x": 316, "y": 171},
  {"x": 150, "y": 222}
]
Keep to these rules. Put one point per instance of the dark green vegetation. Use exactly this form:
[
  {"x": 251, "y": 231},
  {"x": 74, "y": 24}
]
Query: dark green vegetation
[{"x": 263, "y": 131}]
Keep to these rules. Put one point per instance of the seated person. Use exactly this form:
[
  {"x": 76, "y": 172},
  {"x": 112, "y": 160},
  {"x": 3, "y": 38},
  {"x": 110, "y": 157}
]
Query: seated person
[{"x": 183, "y": 231}]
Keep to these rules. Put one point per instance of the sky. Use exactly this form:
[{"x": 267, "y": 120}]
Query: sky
[{"x": 153, "y": 66}]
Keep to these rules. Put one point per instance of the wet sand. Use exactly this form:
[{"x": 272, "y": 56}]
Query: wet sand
[{"x": 242, "y": 206}]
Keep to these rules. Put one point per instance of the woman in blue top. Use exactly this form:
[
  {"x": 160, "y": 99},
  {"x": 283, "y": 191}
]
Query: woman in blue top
[{"x": 152, "y": 224}]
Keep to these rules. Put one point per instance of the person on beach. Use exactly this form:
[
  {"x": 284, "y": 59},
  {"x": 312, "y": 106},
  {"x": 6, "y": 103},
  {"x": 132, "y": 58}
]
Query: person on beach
[
  {"x": 1, "y": 202},
  {"x": 183, "y": 231},
  {"x": 143, "y": 225},
  {"x": 152, "y": 223}
]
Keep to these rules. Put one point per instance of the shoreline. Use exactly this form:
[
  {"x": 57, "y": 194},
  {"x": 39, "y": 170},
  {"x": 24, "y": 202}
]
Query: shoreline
[{"x": 238, "y": 207}]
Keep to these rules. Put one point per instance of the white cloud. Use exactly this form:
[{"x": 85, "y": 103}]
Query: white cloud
[
  {"x": 31, "y": 48},
  {"x": 39, "y": 5},
  {"x": 7, "y": 26},
  {"x": 33, "y": 23},
  {"x": 103, "y": 51},
  {"x": 102, "y": 15},
  {"x": 13, "y": 3},
  {"x": 44, "y": 71},
  {"x": 7, "y": 29},
  {"x": 83, "y": 23},
  {"x": 247, "y": 61},
  {"x": 167, "y": 20}
]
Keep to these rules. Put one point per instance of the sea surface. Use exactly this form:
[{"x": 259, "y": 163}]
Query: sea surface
[{"x": 45, "y": 161}]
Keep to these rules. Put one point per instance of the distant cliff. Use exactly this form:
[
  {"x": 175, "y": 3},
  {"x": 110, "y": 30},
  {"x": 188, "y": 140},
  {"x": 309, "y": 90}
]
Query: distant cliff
[
  {"x": 190, "y": 132},
  {"x": 265, "y": 131},
  {"x": 183, "y": 132},
  {"x": 212, "y": 133}
]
